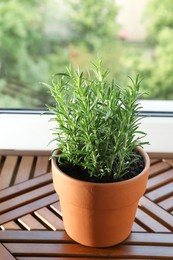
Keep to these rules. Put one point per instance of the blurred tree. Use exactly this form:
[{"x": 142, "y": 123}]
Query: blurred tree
[
  {"x": 156, "y": 63},
  {"x": 25, "y": 52},
  {"x": 38, "y": 38},
  {"x": 160, "y": 34},
  {"x": 159, "y": 17},
  {"x": 20, "y": 42},
  {"x": 93, "y": 23},
  {"x": 94, "y": 30},
  {"x": 161, "y": 69}
]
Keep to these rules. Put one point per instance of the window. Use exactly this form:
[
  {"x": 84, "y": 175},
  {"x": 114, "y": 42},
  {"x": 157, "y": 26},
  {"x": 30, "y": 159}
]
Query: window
[{"x": 130, "y": 37}]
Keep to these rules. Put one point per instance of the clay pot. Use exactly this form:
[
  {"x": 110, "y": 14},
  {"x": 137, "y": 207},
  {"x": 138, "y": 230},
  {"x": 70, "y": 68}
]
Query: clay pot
[{"x": 99, "y": 214}]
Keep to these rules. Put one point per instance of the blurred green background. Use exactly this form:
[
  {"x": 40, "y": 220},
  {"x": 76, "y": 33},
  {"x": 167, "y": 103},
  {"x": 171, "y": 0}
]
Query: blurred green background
[{"x": 40, "y": 38}]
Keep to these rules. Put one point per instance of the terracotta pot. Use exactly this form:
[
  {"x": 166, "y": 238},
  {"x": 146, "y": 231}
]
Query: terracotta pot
[{"x": 99, "y": 214}]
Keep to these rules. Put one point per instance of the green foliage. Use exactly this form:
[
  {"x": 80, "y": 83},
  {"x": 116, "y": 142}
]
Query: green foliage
[
  {"x": 93, "y": 24},
  {"x": 36, "y": 38},
  {"x": 19, "y": 31},
  {"x": 159, "y": 14},
  {"x": 161, "y": 35},
  {"x": 24, "y": 54},
  {"x": 161, "y": 76},
  {"x": 156, "y": 61},
  {"x": 97, "y": 121}
]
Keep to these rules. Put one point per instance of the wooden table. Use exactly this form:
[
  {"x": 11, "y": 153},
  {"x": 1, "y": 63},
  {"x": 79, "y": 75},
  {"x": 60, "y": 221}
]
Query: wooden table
[{"x": 31, "y": 225}]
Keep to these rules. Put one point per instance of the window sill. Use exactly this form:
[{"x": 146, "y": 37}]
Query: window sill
[{"x": 31, "y": 129}]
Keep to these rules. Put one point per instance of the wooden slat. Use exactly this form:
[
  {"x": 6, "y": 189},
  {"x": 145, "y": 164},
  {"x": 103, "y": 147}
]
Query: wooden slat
[
  {"x": 167, "y": 204},
  {"x": 25, "y": 186},
  {"x": 67, "y": 258},
  {"x": 79, "y": 250},
  {"x": 154, "y": 161},
  {"x": 7, "y": 171},
  {"x": 50, "y": 219},
  {"x": 160, "y": 155},
  {"x": 161, "y": 193},
  {"x": 158, "y": 168},
  {"x": 63, "y": 258},
  {"x": 24, "y": 169},
  {"x": 41, "y": 165},
  {"x": 160, "y": 180},
  {"x": 157, "y": 213},
  {"x": 149, "y": 222},
  {"x": 5, "y": 254},
  {"x": 26, "y": 152},
  {"x": 26, "y": 198},
  {"x": 41, "y": 236},
  {"x": 157, "y": 239},
  {"x": 56, "y": 207},
  {"x": 31, "y": 223},
  {"x": 137, "y": 228},
  {"x": 11, "y": 225},
  {"x": 169, "y": 161},
  {"x": 28, "y": 208}
]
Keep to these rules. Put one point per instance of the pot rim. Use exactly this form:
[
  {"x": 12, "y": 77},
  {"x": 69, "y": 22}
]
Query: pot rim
[{"x": 142, "y": 152}]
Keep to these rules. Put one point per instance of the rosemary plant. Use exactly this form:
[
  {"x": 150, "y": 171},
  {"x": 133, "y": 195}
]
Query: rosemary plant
[{"x": 97, "y": 121}]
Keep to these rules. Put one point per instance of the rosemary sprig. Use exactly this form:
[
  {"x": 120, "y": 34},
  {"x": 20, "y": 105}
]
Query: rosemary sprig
[{"x": 97, "y": 121}]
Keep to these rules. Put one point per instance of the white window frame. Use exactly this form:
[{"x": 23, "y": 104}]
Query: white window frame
[{"x": 31, "y": 129}]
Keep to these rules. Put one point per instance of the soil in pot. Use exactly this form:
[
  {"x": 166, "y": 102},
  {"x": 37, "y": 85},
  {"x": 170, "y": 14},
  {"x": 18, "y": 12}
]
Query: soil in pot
[{"x": 79, "y": 173}]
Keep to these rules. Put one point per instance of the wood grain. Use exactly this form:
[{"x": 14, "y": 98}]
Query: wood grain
[{"x": 32, "y": 223}]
